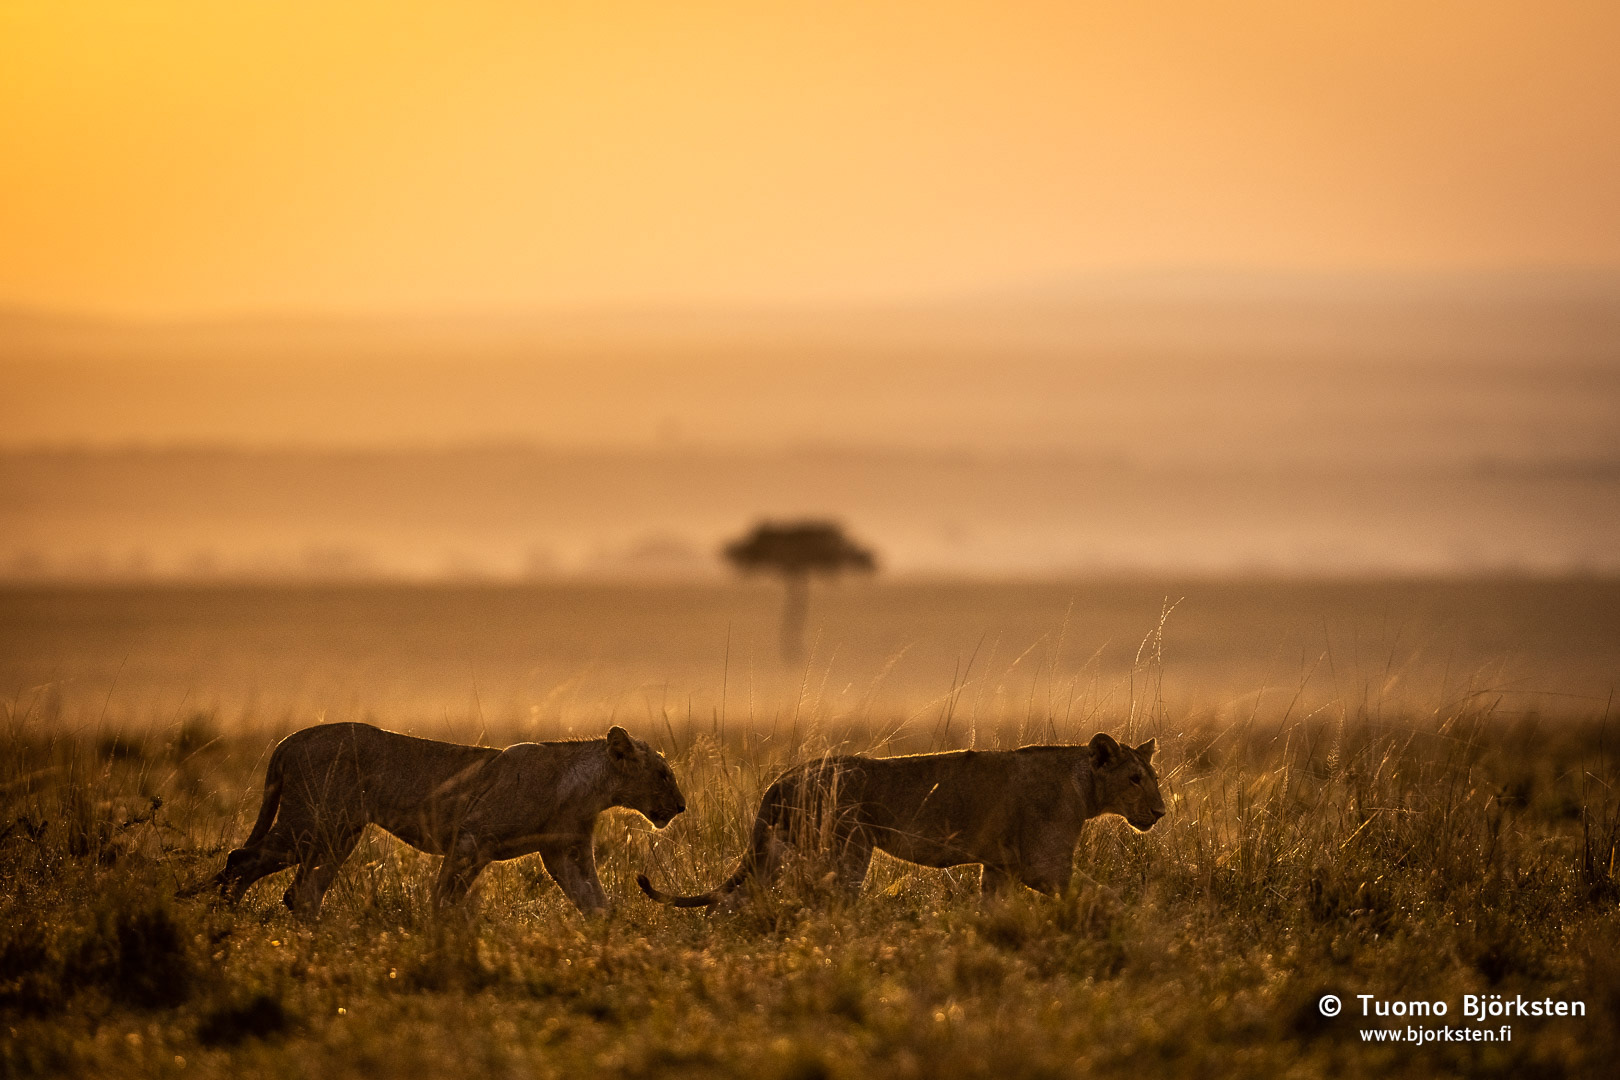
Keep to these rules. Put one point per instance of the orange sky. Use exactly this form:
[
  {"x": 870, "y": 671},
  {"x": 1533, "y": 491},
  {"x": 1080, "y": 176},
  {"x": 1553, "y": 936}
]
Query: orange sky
[{"x": 204, "y": 157}]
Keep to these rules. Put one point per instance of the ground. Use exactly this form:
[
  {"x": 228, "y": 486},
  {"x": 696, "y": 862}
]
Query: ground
[
  {"x": 1416, "y": 859},
  {"x": 1403, "y": 789}
]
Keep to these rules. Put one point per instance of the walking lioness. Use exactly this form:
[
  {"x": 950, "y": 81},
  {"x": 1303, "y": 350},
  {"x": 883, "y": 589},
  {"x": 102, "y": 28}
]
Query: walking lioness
[
  {"x": 1018, "y": 812},
  {"x": 471, "y": 804}
]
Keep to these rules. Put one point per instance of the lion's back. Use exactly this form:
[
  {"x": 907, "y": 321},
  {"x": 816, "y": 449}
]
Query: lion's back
[
  {"x": 934, "y": 795},
  {"x": 345, "y": 762}
]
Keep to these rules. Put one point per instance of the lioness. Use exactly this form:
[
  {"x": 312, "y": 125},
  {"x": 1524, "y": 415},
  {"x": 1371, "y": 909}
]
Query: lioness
[
  {"x": 471, "y": 804},
  {"x": 1018, "y": 812}
]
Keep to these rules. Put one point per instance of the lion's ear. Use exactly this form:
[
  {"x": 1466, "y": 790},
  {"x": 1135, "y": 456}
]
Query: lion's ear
[
  {"x": 621, "y": 747},
  {"x": 1147, "y": 749},
  {"x": 1103, "y": 748}
]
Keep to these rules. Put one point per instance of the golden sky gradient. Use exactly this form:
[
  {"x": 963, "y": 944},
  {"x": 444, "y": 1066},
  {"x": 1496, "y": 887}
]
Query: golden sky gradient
[{"x": 189, "y": 158}]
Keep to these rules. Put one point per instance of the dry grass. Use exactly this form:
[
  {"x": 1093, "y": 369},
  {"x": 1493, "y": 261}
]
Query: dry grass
[{"x": 1461, "y": 852}]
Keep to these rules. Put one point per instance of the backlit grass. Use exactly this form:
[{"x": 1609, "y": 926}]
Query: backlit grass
[{"x": 1420, "y": 857}]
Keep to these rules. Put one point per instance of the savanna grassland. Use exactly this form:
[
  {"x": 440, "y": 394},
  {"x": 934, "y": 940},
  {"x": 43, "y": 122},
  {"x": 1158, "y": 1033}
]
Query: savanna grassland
[{"x": 1358, "y": 827}]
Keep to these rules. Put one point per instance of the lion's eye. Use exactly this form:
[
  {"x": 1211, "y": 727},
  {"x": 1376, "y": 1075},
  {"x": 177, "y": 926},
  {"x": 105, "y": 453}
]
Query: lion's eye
[{"x": 1136, "y": 779}]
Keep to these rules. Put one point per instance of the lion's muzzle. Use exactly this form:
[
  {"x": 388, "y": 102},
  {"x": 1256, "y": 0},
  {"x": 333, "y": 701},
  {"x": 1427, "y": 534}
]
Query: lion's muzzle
[{"x": 664, "y": 817}]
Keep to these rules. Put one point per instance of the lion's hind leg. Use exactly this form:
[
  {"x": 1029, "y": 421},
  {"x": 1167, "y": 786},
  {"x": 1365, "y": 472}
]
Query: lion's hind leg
[
  {"x": 318, "y": 867},
  {"x": 245, "y": 866},
  {"x": 264, "y": 851}
]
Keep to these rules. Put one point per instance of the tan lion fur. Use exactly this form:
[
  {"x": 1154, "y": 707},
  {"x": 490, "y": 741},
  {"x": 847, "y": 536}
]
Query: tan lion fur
[
  {"x": 1017, "y": 812},
  {"x": 471, "y": 804}
]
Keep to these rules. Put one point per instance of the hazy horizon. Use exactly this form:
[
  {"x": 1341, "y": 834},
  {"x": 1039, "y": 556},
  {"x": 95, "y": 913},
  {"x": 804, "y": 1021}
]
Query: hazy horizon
[
  {"x": 1142, "y": 367},
  {"x": 514, "y": 514},
  {"x": 1254, "y": 288},
  {"x": 1192, "y": 423}
]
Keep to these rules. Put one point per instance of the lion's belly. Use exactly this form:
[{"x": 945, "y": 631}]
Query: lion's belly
[
  {"x": 425, "y": 810},
  {"x": 419, "y": 834},
  {"x": 939, "y": 848}
]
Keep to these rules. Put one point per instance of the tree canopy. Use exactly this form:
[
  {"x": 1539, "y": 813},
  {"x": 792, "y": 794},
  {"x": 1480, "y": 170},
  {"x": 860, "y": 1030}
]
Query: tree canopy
[
  {"x": 798, "y": 548},
  {"x": 794, "y": 550}
]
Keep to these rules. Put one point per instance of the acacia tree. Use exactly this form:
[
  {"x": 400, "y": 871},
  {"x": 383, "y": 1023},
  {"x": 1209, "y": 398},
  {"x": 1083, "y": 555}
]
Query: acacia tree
[{"x": 794, "y": 550}]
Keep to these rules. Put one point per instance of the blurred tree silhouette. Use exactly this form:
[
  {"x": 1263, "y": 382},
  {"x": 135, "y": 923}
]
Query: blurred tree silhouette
[{"x": 795, "y": 550}]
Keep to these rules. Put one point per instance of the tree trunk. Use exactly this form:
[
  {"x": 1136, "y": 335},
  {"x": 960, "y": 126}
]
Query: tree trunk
[{"x": 795, "y": 609}]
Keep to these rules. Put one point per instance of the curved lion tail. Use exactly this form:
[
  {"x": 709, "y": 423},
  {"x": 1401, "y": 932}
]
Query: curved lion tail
[
  {"x": 757, "y": 861},
  {"x": 272, "y": 799},
  {"x": 708, "y": 899}
]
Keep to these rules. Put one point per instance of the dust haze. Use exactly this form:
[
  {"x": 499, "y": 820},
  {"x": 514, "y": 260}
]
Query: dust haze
[{"x": 1195, "y": 422}]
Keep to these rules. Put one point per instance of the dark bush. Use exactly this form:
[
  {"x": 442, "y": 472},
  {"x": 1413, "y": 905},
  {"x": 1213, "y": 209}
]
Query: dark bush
[
  {"x": 139, "y": 956},
  {"x": 27, "y": 983},
  {"x": 154, "y": 967},
  {"x": 260, "y": 1017}
]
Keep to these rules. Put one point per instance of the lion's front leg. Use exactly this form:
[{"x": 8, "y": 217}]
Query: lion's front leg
[
  {"x": 996, "y": 882},
  {"x": 1049, "y": 875},
  {"x": 463, "y": 862},
  {"x": 572, "y": 865}
]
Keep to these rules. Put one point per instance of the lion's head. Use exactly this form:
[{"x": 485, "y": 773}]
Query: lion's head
[
  {"x": 1124, "y": 781},
  {"x": 642, "y": 779}
]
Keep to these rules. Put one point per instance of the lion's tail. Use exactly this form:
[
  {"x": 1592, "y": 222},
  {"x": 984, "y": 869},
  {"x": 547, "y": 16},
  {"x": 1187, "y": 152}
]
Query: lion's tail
[
  {"x": 708, "y": 899},
  {"x": 229, "y": 877},
  {"x": 272, "y": 799},
  {"x": 759, "y": 861}
]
